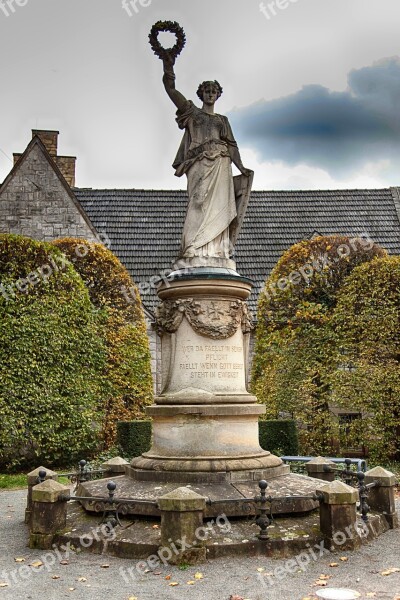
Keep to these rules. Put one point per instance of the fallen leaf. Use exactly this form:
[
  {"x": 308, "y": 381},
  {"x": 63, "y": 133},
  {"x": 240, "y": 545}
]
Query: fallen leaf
[
  {"x": 71, "y": 589},
  {"x": 4, "y": 584},
  {"x": 191, "y": 582},
  {"x": 19, "y": 560},
  {"x": 334, "y": 564},
  {"x": 55, "y": 577},
  {"x": 156, "y": 527},
  {"x": 261, "y": 569},
  {"x": 390, "y": 571},
  {"x": 343, "y": 558},
  {"x": 371, "y": 594},
  {"x": 133, "y": 598},
  {"x": 64, "y": 562},
  {"x": 173, "y": 583},
  {"x": 105, "y": 566},
  {"x": 36, "y": 564},
  {"x": 81, "y": 579},
  {"x": 168, "y": 577},
  {"x": 321, "y": 582},
  {"x": 325, "y": 576},
  {"x": 198, "y": 575},
  {"x": 157, "y": 573}
]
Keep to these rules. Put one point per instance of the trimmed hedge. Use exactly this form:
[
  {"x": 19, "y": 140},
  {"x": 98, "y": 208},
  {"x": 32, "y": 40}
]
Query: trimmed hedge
[
  {"x": 279, "y": 437},
  {"x": 134, "y": 437},
  {"x": 295, "y": 339},
  {"x": 366, "y": 324},
  {"x": 51, "y": 351},
  {"x": 127, "y": 374}
]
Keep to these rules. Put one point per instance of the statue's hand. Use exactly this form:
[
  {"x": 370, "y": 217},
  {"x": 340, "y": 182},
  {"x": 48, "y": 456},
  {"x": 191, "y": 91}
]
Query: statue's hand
[
  {"x": 246, "y": 172},
  {"x": 169, "y": 61}
]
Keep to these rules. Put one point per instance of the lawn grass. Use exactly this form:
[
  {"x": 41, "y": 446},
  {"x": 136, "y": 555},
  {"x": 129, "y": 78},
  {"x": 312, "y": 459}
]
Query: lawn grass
[
  {"x": 10, "y": 482},
  {"x": 18, "y": 481}
]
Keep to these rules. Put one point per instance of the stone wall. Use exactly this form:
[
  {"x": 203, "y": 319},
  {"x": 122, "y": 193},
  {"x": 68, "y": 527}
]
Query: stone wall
[{"x": 35, "y": 203}]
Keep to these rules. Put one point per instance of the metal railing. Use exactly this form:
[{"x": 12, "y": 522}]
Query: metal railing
[{"x": 359, "y": 462}]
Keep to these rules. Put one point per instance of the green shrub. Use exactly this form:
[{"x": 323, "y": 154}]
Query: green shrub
[
  {"x": 134, "y": 437},
  {"x": 295, "y": 340},
  {"x": 366, "y": 373},
  {"x": 279, "y": 437},
  {"x": 51, "y": 352},
  {"x": 127, "y": 373}
]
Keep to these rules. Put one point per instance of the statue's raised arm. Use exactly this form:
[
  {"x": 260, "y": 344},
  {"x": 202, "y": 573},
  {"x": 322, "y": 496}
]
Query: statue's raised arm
[
  {"x": 217, "y": 200},
  {"x": 169, "y": 82}
]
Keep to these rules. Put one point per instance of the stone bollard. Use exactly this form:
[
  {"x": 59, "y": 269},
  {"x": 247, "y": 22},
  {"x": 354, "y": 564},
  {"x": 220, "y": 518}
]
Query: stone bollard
[
  {"x": 115, "y": 466},
  {"x": 181, "y": 521},
  {"x": 338, "y": 516},
  {"x": 381, "y": 499},
  {"x": 317, "y": 468},
  {"x": 32, "y": 480},
  {"x": 49, "y": 514}
]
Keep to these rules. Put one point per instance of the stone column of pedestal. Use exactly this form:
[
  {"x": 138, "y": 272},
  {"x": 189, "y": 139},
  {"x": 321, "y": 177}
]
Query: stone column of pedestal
[
  {"x": 382, "y": 498},
  {"x": 182, "y": 531},
  {"x": 319, "y": 468},
  {"x": 32, "y": 480},
  {"x": 205, "y": 423},
  {"x": 49, "y": 513},
  {"x": 338, "y": 516}
]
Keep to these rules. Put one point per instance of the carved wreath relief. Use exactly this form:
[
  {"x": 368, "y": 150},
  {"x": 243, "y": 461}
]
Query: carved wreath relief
[{"x": 216, "y": 319}]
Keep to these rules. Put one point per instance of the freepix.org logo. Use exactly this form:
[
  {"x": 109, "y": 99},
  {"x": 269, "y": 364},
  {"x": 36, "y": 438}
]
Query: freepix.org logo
[
  {"x": 271, "y": 9},
  {"x": 9, "y": 7},
  {"x": 133, "y": 6}
]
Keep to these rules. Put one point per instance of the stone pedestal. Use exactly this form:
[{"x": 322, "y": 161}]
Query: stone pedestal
[
  {"x": 182, "y": 531},
  {"x": 382, "y": 498},
  {"x": 49, "y": 514},
  {"x": 338, "y": 516},
  {"x": 319, "y": 468},
  {"x": 205, "y": 423},
  {"x": 32, "y": 480}
]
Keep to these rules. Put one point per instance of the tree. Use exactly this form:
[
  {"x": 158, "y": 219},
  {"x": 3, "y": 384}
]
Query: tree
[
  {"x": 51, "y": 351},
  {"x": 294, "y": 336},
  {"x": 366, "y": 376},
  {"x": 127, "y": 374}
]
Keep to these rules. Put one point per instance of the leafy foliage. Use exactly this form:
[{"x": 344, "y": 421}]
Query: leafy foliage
[
  {"x": 51, "y": 351},
  {"x": 279, "y": 437},
  {"x": 127, "y": 372},
  {"x": 134, "y": 437},
  {"x": 295, "y": 339},
  {"x": 367, "y": 342}
]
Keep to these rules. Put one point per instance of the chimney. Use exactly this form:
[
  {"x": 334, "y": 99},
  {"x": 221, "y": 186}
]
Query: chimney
[
  {"x": 66, "y": 164},
  {"x": 49, "y": 139}
]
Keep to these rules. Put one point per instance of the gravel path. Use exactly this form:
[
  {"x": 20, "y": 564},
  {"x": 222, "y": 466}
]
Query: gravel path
[{"x": 87, "y": 576}]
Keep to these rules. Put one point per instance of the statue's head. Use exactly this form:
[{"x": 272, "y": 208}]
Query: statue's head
[{"x": 209, "y": 90}]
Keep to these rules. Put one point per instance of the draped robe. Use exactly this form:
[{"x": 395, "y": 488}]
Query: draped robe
[{"x": 205, "y": 158}]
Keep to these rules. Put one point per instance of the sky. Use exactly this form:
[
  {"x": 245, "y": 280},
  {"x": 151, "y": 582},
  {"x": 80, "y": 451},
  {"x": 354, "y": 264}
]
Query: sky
[{"x": 311, "y": 87}]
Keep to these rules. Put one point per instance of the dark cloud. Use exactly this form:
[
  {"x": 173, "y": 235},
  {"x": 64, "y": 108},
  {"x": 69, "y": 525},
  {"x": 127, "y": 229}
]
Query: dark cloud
[{"x": 336, "y": 131}]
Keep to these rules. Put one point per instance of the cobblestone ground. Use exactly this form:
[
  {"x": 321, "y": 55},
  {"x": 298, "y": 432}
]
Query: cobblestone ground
[{"x": 91, "y": 577}]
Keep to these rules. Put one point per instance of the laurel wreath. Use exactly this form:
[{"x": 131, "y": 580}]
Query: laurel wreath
[{"x": 171, "y": 27}]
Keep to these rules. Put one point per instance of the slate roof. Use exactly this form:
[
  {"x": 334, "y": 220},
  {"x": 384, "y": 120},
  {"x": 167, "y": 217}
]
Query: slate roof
[{"x": 145, "y": 226}]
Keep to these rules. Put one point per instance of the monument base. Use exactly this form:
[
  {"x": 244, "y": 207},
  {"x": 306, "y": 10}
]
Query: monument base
[
  {"x": 206, "y": 443},
  {"x": 205, "y": 422}
]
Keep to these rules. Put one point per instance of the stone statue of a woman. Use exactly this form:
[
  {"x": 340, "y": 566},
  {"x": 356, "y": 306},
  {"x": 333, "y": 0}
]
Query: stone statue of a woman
[{"x": 206, "y": 154}]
